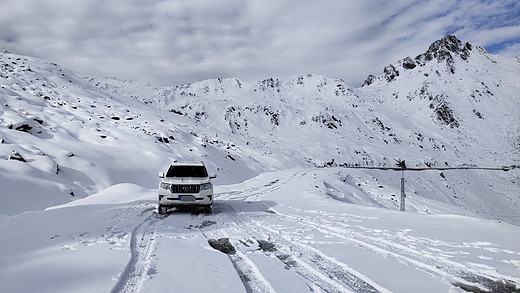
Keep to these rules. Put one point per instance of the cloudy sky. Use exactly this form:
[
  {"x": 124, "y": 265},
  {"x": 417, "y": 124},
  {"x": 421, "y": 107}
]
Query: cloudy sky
[{"x": 169, "y": 42}]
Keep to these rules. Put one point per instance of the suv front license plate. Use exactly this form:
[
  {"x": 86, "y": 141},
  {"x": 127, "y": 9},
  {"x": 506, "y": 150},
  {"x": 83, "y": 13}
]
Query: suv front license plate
[{"x": 188, "y": 198}]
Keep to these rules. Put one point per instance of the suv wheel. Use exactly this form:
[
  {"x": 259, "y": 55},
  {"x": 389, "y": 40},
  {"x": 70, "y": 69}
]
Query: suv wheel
[
  {"x": 208, "y": 209},
  {"x": 162, "y": 210}
]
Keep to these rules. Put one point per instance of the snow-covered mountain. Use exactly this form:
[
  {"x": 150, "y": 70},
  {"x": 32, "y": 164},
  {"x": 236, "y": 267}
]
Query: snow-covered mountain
[
  {"x": 454, "y": 105},
  {"x": 75, "y": 140}
]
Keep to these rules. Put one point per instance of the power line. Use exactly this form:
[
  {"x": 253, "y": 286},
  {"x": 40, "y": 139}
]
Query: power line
[
  {"x": 503, "y": 168},
  {"x": 401, "y": 166}
]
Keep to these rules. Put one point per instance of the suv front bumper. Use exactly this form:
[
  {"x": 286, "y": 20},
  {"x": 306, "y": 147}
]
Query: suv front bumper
[{"x": 203, "y": 198}]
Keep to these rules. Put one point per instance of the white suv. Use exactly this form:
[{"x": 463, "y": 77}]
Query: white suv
[{"x": 186, "y": 184}]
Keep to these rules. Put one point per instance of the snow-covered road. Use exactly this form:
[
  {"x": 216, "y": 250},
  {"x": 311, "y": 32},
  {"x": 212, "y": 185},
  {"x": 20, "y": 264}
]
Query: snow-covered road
[
  {"x": 270, "y": 246},
  {"x": 279, "y": 232}
]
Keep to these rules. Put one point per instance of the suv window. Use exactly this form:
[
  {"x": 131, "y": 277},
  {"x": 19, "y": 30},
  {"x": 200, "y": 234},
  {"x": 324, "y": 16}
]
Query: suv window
[{"x": 187, "y": 171}]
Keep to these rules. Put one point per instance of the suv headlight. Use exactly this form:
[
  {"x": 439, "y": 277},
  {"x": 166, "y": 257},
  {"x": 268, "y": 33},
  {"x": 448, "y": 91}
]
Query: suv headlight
[
  {"x": 165, "y": 185},
  {"x": 205, "y": 186}
]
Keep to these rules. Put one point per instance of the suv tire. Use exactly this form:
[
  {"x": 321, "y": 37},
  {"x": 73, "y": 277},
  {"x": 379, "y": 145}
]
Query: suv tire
[{"x": 162, "y": 210}]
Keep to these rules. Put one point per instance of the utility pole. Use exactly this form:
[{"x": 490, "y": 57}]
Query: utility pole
[
  {"x": 402, "y": 165},
  {"x": 403, "y": 195}
]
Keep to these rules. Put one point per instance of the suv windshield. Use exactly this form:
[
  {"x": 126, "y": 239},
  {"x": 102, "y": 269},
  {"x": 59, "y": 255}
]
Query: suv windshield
[{"x": 187, "y": 171}]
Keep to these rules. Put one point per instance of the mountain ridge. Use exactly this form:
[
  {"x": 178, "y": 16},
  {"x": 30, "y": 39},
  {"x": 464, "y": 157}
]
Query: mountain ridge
[{"x": 454, "y": 107}]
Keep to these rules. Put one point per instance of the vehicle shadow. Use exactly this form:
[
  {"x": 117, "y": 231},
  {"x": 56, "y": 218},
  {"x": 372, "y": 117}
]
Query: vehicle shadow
[{"x": 229, "y": 206}]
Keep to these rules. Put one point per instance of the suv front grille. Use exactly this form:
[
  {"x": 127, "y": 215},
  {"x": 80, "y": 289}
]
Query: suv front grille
[{"x": 185, "y": 188}]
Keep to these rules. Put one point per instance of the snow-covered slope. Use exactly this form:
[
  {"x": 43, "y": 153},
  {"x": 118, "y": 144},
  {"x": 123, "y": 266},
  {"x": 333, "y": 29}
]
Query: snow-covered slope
[
  {"x": 95, "y": 145},
  {"x": 77, "y": 139},
  {"x": 454, "y": 105}
]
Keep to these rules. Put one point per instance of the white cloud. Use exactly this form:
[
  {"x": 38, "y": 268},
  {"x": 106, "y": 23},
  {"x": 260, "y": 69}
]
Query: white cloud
[
  {"x": 171, "y": 42},
  {"x": 510, "y": 50}
]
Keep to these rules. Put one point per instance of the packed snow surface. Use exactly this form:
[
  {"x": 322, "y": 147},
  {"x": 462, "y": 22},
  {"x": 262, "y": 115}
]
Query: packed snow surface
[
  {"x": 293, "y": 212},
  {"x": 285, "y": 233}
]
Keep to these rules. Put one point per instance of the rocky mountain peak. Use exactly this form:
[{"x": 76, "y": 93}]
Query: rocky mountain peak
[{"x": 443, "y": 50}]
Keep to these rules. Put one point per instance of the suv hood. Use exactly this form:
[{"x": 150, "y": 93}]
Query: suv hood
[{"x": 185, "y": 180}]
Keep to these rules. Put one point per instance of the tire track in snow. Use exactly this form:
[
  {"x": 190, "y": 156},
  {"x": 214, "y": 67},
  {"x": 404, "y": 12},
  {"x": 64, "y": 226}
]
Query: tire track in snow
[
  {"x": 317, "y": 279},
  {"x": 453, "y": 272},
  {"x": 337, "y": 270},
  {"x": 249, "y": 274},
  {"x": 254, "y": 193},
  {"x": 142, "y": 245},
  {"x": 325, "y": 273}
]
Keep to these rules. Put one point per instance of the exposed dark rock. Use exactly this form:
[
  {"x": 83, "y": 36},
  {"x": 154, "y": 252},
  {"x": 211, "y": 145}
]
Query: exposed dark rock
[
  {"x": 328, "y": 120},
  {"x": 370, "y": 79},
  {"x": 408, "y": 63},
  {"x": 24, "y": 127},
  {"x": 163, "y": 139},
  {"x": 176, "y": 112},
  {"x": 270, "y": 83},
  {"x": 380, "y": 124},
  {"x": 390, "y": 73},
  {"x": 477, "y": 113},
  {"x": 266, "y": 245},
  {"x": 274, "y": 116},
  {"x": 16, "y": 156},
  {"x": 222, "y": 245},
  {"x": 340, "y": 89},
  {"x": 443, "y": 112},
  {"x": 199, "y": 116}
]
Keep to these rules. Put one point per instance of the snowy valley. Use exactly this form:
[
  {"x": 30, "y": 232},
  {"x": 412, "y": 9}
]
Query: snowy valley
[{"x": 294, "y": 211}]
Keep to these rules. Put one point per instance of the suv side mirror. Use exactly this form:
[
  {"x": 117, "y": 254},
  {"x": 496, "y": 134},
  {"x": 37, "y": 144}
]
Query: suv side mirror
[
  {"x": 161, "y": 174},
  {"x": 212, "y": 175}
]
